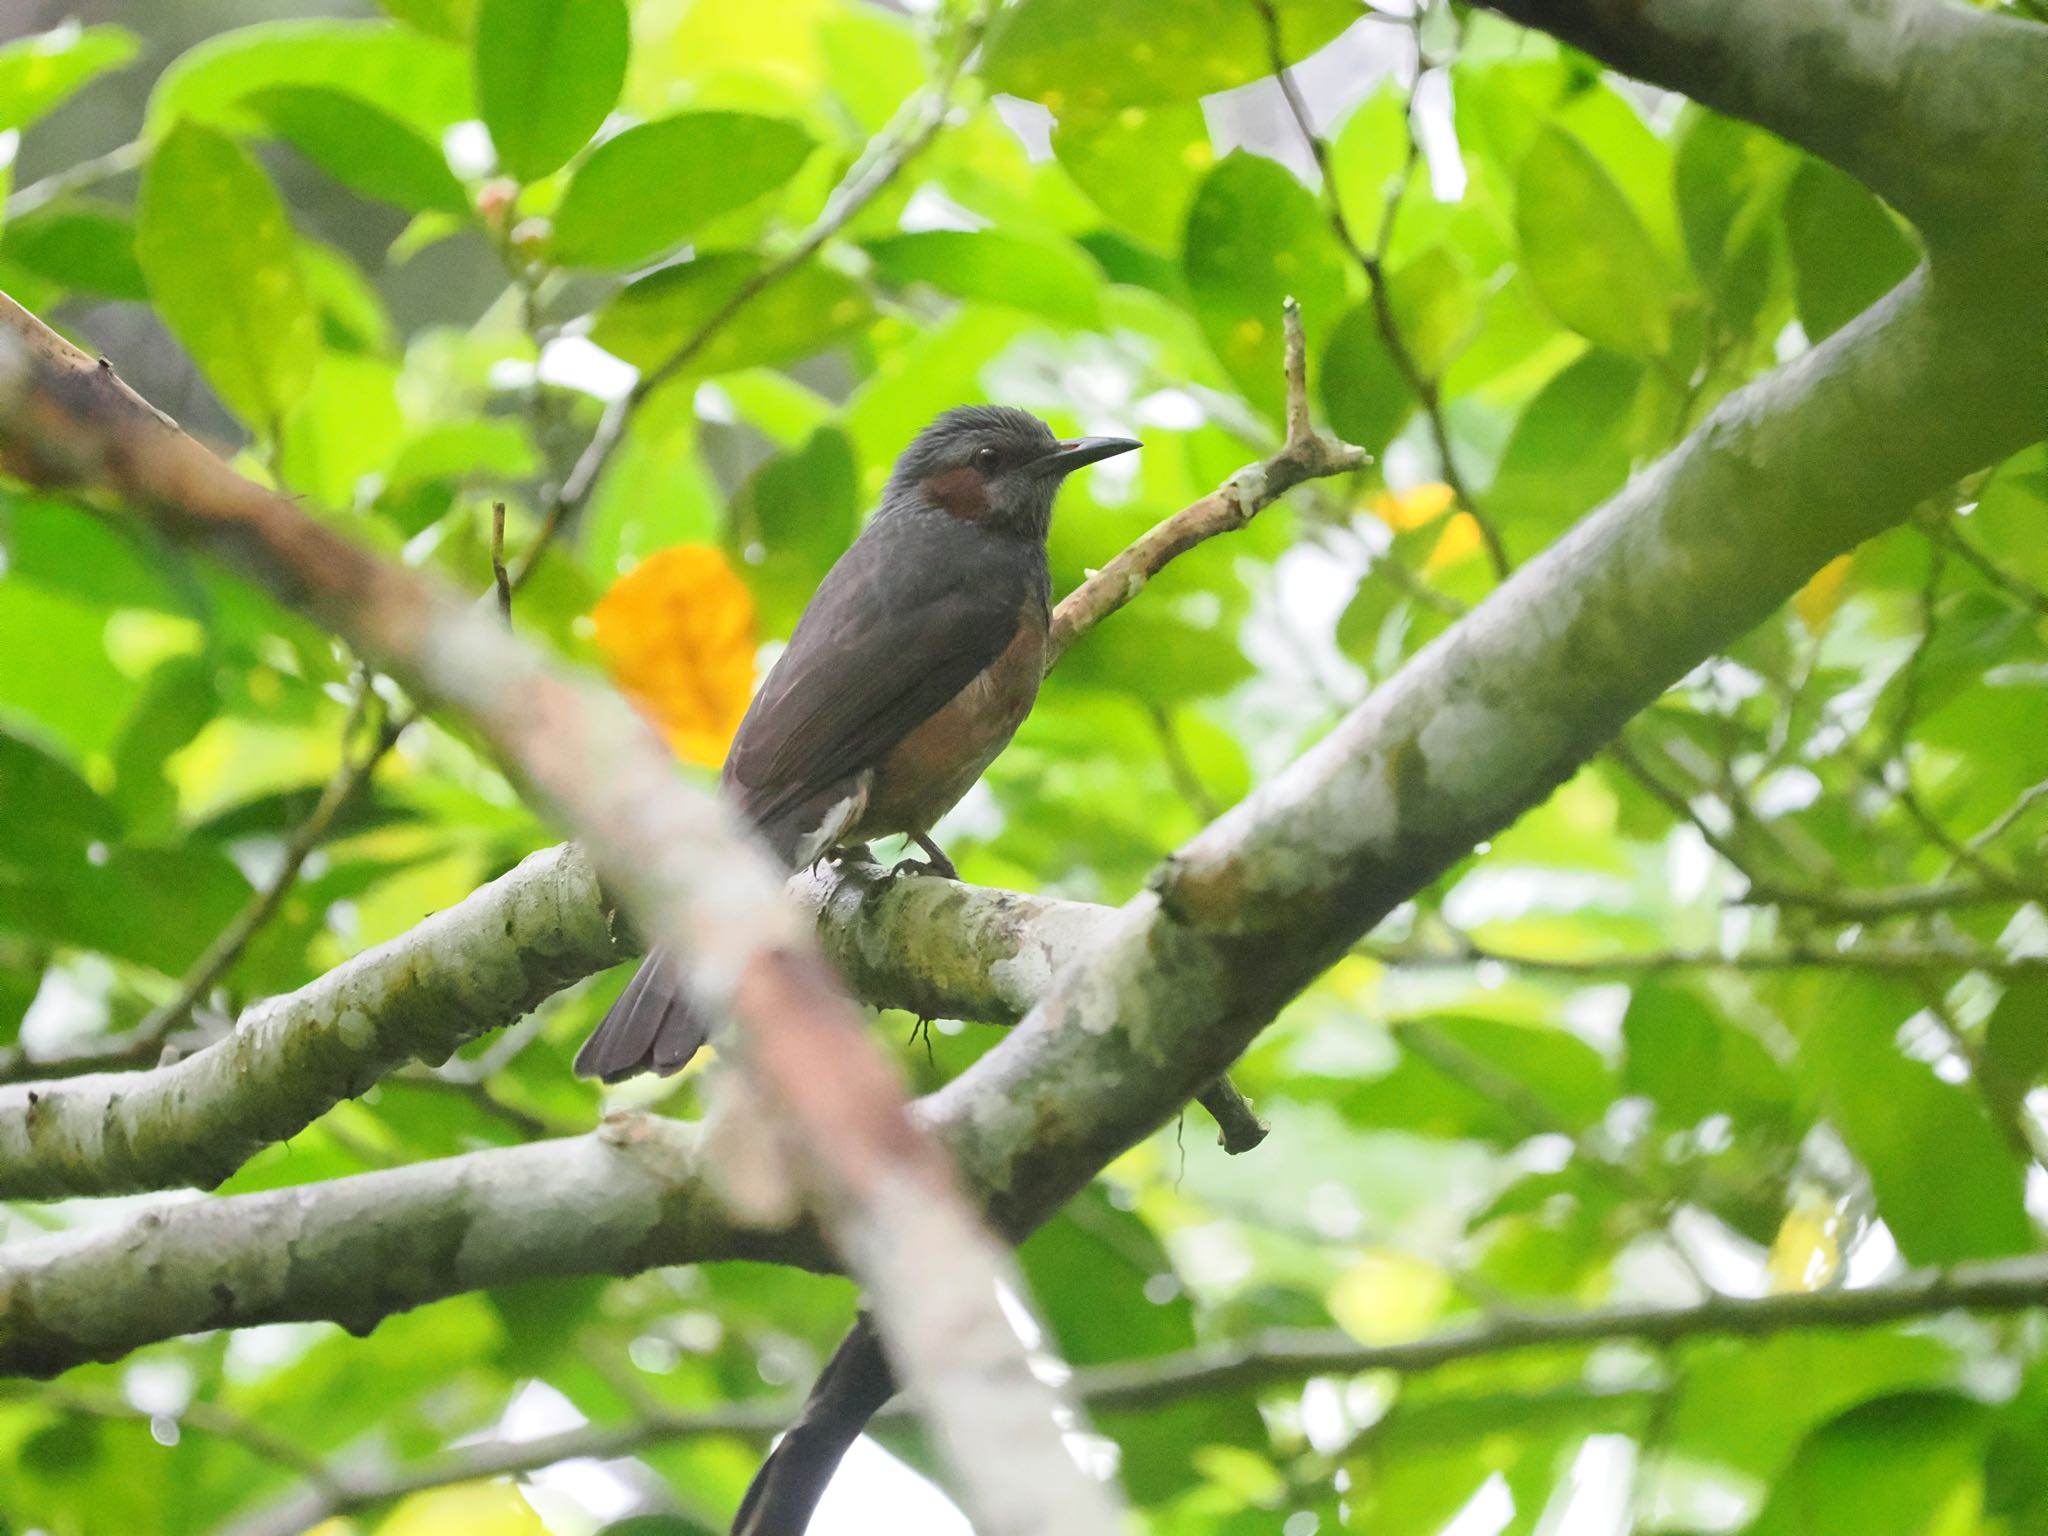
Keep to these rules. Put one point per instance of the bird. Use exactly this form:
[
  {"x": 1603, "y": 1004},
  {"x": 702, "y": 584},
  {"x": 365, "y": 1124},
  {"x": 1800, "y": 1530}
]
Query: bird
[{"x": 909, "y": 671}]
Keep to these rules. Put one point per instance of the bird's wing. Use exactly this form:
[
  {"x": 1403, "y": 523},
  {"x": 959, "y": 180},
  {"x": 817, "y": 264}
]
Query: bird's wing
[{"x": 906, "y": 619}]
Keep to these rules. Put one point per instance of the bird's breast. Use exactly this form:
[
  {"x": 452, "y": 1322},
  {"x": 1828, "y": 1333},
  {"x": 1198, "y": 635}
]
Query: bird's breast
[{"x": 926, "y": 773}]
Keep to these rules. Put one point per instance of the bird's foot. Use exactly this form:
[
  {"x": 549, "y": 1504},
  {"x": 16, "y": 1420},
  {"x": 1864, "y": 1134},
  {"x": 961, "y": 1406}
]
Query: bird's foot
[
  {"x": 921, "y": 1024},
  {"x": 934, "y": 861},
  {"x": 842, "y": 854}
]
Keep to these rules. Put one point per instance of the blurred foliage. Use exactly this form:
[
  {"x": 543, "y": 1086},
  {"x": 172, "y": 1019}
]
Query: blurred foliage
[{"x": 1581, "y": 1069}]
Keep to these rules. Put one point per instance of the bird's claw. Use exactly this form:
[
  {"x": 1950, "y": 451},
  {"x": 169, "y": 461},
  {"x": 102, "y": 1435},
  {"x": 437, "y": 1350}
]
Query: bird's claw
[{"x": 934, "y": 861}]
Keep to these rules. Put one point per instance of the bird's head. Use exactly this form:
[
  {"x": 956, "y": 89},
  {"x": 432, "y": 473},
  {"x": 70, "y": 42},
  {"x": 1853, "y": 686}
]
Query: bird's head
[{"x": 993, "y": 466}]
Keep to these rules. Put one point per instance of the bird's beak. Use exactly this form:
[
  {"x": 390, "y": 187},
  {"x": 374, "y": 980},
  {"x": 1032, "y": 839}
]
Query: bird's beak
[{"x": 1071, "y": 454}]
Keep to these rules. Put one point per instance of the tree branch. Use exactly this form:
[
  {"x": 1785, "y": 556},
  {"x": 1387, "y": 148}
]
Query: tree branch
[
  {"x": 1936, "y": 107},
  {"x": 630, "y": 1195},
  {"x": 478, "y": 965},
  {"x": 1278, "y": 1358}
]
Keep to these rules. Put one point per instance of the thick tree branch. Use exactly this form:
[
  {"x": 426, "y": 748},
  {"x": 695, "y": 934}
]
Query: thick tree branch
[
  {"x": 628, "y": 1196},
  {"x": 1936, "y": 107},
  {"x": 463, "y": 972},
  {"x": 681, "y": 862}
]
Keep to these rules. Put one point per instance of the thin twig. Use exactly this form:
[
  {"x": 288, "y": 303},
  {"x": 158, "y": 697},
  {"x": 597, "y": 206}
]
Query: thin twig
[
  {"x": 230, "y": 943},
  {"x": 1306, "y": 455},
  {"x": 499, "y": 575},
  {"x": 1943, "y": 534},
  {"x": 885, "y": 158},
  {"x": 1373, "y": 265},
  {"x": 1865, "y": 957},
  {"x": 1272, "y": 1359},
  {"x": 76, "y": 178}
]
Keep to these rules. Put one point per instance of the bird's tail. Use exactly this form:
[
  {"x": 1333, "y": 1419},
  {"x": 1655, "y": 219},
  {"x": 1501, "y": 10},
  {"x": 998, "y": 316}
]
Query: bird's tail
[
  {"x": 649, "y": 1029},
  {"x": 854, "y": 1385}
]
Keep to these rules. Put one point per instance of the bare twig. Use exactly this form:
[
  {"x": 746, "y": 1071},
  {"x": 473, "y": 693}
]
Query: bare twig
[
  {"x": 499, "y": 577},
  {"x": 1862, "y": 957},
  {"x": 1309, "y": 455},
  {"x": 76, "y": 178}
]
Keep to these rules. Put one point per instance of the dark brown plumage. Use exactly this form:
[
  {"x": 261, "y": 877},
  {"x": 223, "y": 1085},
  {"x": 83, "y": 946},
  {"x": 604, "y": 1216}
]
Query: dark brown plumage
[{"x": 912, "y": 667}]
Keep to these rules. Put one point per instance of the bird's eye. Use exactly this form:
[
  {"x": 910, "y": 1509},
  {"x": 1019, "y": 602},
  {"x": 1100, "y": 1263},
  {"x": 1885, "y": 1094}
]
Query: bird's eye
[{"x": 985, "y": 458}]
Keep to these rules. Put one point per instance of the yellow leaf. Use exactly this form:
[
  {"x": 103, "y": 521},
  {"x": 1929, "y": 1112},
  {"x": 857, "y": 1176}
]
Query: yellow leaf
[
  {"x": 1459, "y": 541},
  {"x": 1388, "y": 1297},
  {"x": 1817, "y": 601},
  {"x": 679, "y": 634},
  {"x": 1403, "y": 511},
  {"x": 1807, "y": 1250},
  {"x": 467, "y": 1509}
]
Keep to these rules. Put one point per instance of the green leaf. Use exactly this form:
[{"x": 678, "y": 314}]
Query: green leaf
[
  {"x": 661, "y": 312},
  {"x": 1434, "y": 307},
  {"x": 1159, "y": 658},
  {"x": 1141, "y": 166},
  {"x": 1364, "y": 394},
  {"x": 1559, "y": 1079},
  {"x": 1367, "y": 159},
  {"x": 179, "y": 700},
  {"x": 1081, "y": 58},
  {"x": 419, "y": 80},
  {"x": 1847, "y": 251},
  {"x": 222, "y": 263},
  {"x": 1949, "y": 1186},
  {"x": 1684, "y": 1054},
  {"x": 647, "y": 190},
  {"x": 1049, "y": 278},
  {"x": 1254, "y": 237},
  {"x": 363, "y": 147},
  {"x": 63, "y": 548},
  {"x": 1108, "y": 1292},
  {"x": 1572, "y": 446},
  {"x": 342, "y": 431},
  {"x": 1729, "y": 178},
  {"x": 1586, "y": 251},
  {"x": 2016, "y": 1046},
  {"x": 352, "y": 312},
  {"x": 452, "y": 19},
  {"x": 42, "y": 71},
  {"x": 547, "y": 73},
  {"x": 1736, "y": 1412},
  {"x": 158, "y": 907},
  {"x": 793, "y": 518},
  {"x": 1900, "y": 1466},
  {"x": 68, "y": 813},
  {"x": 83, "y": 246},
  {"x": 451, "y": 450}
]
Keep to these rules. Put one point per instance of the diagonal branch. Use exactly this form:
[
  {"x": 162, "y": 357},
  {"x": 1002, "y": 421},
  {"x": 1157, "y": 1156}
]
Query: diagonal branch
[
  {"x": 682, "y": 864},
  {"x": 918, "y": 945}
]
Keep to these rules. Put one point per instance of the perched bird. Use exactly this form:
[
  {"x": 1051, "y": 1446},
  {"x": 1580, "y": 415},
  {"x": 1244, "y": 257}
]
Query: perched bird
[{"x": 914, "y": 664}]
